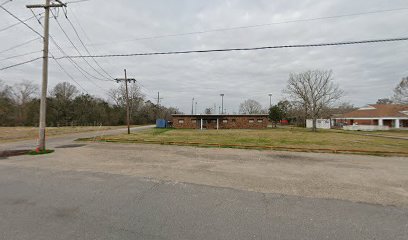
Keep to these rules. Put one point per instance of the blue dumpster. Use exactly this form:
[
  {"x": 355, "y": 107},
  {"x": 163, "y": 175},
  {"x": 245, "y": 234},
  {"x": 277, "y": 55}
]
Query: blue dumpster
[{"x": 161, "y": 123}]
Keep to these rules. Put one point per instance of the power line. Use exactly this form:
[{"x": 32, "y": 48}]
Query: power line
[
  {"x": 69, "y": 75},
  {"x": 19, "y": 55},
  {"x": 245, "y": 49},
  {"x": 80, "y": 69},
  {"x": 21, "y": 63},
  {"x": 5, "y": 2},
  {"x": 18, "y": 23},
  {"x": 14, "y": 16},
  {"x": 261, "y": 25},
  {"x": 86, "y": 49},
  {"x": 72, "y": 43},
  {"x": 20, "y": 45}
]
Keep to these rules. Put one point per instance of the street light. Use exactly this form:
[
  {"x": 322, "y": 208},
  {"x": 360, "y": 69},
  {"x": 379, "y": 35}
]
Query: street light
[
  {"x": 222, "y": 103},
  {"x": 270, "y": 100}
]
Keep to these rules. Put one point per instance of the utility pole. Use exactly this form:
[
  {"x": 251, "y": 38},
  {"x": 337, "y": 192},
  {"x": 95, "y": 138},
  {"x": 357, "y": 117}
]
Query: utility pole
[
  {"x": 43, "y": 102},
  {"x": 127, "y": 98},
  {"x": 192, "y": 107},
  {"x": 196, "y": 108},
  {"x": 222, "y": 103},
  {"x": 270, "y": 100},
  {"x": 158, "y": 99}
]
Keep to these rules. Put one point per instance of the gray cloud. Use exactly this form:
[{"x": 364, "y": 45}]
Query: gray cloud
[{"x": 365, "y": 72}]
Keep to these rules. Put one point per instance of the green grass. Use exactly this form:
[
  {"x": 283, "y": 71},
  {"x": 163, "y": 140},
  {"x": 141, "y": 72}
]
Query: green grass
[
  {"x": 34, "y": 152},
  {"x": 279, "y": 138}
]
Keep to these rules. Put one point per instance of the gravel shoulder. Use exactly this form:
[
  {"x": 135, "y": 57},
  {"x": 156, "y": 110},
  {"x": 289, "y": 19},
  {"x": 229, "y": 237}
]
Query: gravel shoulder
[{"x": 368, "y": 179}]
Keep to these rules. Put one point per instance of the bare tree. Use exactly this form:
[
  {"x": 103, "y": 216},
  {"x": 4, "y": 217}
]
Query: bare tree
[
  {"x": 250, "y": 107},
  {"x": 314, "y": 90},
  {"x": 64, "y": 91},
  {"x": 136, "y": 97},
  {"x": 23, "y": 93},
  {"x": 401, "y": 92}
]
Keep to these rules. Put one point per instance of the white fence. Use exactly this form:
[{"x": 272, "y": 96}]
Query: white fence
[{"x": 320, "y": 123}]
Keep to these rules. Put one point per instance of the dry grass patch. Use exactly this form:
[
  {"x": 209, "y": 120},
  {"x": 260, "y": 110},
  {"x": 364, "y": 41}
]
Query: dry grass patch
[{"x": 10, "y": 134}]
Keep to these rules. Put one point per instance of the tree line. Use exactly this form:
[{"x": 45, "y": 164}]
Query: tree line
[
  {"x": 312, "y": 95},
  {"x": 67, "y": 106}
]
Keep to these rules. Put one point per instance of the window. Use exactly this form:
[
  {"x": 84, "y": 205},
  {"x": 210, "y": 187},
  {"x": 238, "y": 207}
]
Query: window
[
  {"x": 224, "y": 121},
  {"x": 251, "y": 120},
  {"x": 260, "y": 120},
  {"x": 181, "y": 121},
  {"x": 194, "y": 120}
]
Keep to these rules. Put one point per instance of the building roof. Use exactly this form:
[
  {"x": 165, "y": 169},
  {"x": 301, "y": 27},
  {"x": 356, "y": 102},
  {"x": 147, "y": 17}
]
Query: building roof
[{"x": 378, "y": 110}]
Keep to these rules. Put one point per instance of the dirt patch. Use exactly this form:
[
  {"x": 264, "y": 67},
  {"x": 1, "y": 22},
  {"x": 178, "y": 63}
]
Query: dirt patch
[
  {"x": 71, "y": 146},
  {"x": 11, "y": 153}
]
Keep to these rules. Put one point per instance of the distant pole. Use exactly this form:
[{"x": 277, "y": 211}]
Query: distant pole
[
  {"x": 219, "y": 109},
  {"x": 127, "y": 104},
  {"x": 43, "y": 101},
  {"x": 127, "y": 98},
  {"x": 270, "y": 100},
  {"x": 222, "y": 103},
  {"x": 192, "y": 107},
  {"x": 196, "y": 108}
]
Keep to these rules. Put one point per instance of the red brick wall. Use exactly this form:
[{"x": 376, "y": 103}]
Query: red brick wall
[{"x": 232, "y": 122}]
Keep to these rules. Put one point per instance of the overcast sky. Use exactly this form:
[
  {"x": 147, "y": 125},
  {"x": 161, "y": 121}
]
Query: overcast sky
[{"x": 365, "y": 72}]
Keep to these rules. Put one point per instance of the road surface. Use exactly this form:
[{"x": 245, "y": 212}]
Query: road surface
[{"x": 126, "y": 191}]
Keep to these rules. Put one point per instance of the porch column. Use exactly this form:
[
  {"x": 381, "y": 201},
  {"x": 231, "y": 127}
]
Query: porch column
[
  {"x": 380, "y": 122},
  {"x": 201, "y": 124},
  {"x": 217, "y": 124},
  {"x": 397, "y": 123}
]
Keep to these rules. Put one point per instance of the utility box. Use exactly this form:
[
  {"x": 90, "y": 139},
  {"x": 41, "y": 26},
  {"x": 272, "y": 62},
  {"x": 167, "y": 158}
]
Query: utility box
[{"x": 161, "y": 123}]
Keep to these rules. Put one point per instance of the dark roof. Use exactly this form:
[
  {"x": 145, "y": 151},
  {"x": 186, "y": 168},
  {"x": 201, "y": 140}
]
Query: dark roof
[{"x": 378, "y": 110}]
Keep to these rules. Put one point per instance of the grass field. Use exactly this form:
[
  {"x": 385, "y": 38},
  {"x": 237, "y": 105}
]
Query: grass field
[
  {"x": 11, "y": 134},
  {"x": 280, "y": 138}
]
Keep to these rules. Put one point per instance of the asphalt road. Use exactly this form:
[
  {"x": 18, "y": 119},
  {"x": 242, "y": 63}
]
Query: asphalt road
[
  {"x": 124, "y": 191},
  {"x": 43, "y": 204}
]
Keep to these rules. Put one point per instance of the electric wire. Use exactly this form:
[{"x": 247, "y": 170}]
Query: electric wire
[
  {"x": 19, "y": 55},
  {"x": 14, "y": 16},
  {"x": 68, "y": 74},
  {"x": 20, "y": 45},
  {"x": 76, "y": 65},
  {"x": 18, "y": 23},
  {"x": 86, "y": 49},
  {"x": 19, "y": 64},
  {"x": 77, "y": 50},
  {"x": 244, "y": 49},
  {"x": 261, "y": 25}
]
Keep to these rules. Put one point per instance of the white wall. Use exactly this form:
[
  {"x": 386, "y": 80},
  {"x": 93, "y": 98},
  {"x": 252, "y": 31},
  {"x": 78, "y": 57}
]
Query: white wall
[{"x": 320, "y": 123}]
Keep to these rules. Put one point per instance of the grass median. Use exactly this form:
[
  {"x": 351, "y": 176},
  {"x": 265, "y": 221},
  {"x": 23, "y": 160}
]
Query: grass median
[{"x": 294, "y": 139}]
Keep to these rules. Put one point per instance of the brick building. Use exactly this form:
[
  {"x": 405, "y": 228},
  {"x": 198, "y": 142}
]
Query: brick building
[
  {"x": 222, "y": 121},
  {"x": 391, "y": 115}
]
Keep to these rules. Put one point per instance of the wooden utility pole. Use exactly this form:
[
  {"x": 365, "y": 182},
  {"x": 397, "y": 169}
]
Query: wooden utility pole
[
  {"x": 127, "y": 98},
  {"x": 43, "y": 103}
]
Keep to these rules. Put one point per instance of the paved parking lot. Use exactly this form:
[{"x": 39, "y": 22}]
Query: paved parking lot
[{"x": 140, "y": 191}]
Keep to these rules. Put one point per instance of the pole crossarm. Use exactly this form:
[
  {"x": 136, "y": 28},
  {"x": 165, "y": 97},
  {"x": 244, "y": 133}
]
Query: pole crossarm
[
  {"x": 123, "y": 79},
  {"x": 46, "y": 6}
]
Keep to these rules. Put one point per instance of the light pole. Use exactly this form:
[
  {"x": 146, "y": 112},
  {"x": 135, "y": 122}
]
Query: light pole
[
  {"x": 196, "y": 108},
  {"x": 222, "y": 103},
  {"x": 192, "y": 106},
  {"x": 270, "y": 100}
]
